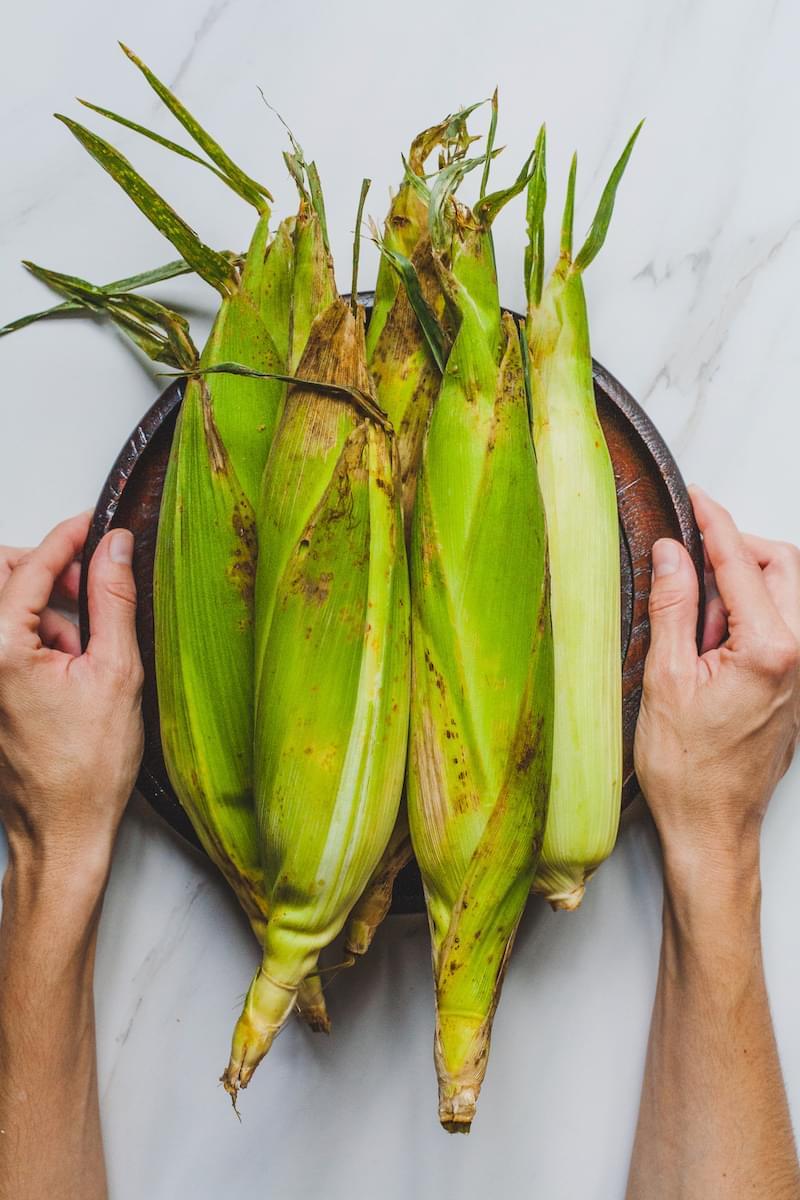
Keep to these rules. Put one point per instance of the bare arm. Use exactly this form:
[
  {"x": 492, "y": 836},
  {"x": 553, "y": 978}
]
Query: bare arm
[
  {"x": 716, "y": 733},
  {"x": 70, "y": 743}
]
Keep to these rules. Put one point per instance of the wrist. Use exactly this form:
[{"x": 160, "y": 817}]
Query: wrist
[
  {"x": 56, "y": 886},
  {"x": 714, "y": 893}
]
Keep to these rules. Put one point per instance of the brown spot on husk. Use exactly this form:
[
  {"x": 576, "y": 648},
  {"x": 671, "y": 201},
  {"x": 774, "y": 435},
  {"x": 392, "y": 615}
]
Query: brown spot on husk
[
  {"x": 530, "y": 745},
  {"x": 315, "y": 589},
  {"x": 243, "y": 564},
  {"x": 217, "y": 454}
]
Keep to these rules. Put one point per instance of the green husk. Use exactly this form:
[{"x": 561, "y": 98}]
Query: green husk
[
  {"x": 331, "y": 673},
  {"x": 249, "y": 189},
  {"x": 580, "y": 499},
  {"x": 209, "y": 264},
  {"x": 313, "y": 282},
  {"x": 85, "y": 296},
  {"x": 151, "y": 135},
  {"x": 275, "y": 293},
  {"x": 481, "y": 709},
  {"x": 407, "y": 349},
  {"x": 159, "y": 332},
  {"x": 203, "y": 580}
]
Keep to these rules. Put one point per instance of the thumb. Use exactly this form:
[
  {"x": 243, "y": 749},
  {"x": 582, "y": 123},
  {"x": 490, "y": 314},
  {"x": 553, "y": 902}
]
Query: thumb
[
  {"x": 111, "y": 594},
  {"x": 674, "y": 598}
]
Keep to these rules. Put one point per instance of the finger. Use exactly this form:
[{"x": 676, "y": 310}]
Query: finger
[
  {"x": 68, "y": 585},
  {"x": 58, "y": 633},
  {"x": 715, "y": 616},
  {"x": 739, "y": 579},
  {"x": 9, "y": 557},
  {"x": 780, "y": 564},
  {"x": 674, "y": 597},
  {"x": 28, "y": 591},
  {"x": 112, "y": 603}
]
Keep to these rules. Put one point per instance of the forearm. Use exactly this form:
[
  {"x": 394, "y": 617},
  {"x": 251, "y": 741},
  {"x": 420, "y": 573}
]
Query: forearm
[
  {"x": 714, "y": 1119},
  {"x": 50, "y": 1141}
]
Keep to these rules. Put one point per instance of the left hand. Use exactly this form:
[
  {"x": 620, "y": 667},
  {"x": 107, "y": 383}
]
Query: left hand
[{"x": 70, "y": 724}]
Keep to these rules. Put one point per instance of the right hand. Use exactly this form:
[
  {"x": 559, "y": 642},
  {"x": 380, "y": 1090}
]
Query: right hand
[
  {"x": 70, "y": 723},
  {"x": 718, "y": 729}
]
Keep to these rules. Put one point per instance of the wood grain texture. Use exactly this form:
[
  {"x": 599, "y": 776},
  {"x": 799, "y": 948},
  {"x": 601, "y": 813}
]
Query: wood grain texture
[{"x": 653, "y": 503}]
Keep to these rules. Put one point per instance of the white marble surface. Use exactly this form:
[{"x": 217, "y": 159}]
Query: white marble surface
[{"x": 694, "y": 306}]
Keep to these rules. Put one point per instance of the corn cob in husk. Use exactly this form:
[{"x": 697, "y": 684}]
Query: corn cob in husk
[
  {"x": 206, "y": 549},
  {"x": 580, "y": 498},
  {"x": 331, "y": 671},
  {"x": 291, "y": 300},
  {"x": 311, "y": 289},
  {"x": 406, "y": 377},
  {"x": 204, "y": 579},
  {"x": 481, "y": 709}
]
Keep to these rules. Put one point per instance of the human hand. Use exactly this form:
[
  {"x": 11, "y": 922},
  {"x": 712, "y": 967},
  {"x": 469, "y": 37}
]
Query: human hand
[
  {"x": 70, "y": 723},
  {"x": 717, "y": 730}
]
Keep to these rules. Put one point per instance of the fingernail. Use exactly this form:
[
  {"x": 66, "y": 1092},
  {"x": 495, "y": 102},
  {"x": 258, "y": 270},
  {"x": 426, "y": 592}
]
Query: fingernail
[
  {"x": 120, "y": 549},
  {"x": 666, "y": 558}
]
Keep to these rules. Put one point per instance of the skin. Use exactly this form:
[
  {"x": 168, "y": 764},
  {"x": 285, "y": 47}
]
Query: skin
[
  {"x": 70, "y": 745},
  {"x": 714, "y": 1119},
  {"x": 716, "y": 733}
]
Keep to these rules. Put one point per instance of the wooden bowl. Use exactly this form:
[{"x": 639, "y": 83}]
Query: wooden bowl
[{"x": 653, "y": 503}]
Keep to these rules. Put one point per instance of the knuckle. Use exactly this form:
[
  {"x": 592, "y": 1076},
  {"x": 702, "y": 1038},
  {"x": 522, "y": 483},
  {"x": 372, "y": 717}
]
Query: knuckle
[
  {"x": 789, "y": 554},
  {"x": 779, "y": 657},
  {"x": 786, "y": 656},
  {"x": 126, "y": 673},
  {"x": 663, "y": 673}
]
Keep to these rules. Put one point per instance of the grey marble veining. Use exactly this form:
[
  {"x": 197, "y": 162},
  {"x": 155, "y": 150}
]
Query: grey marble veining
[{"x": 694, "y": 307}]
